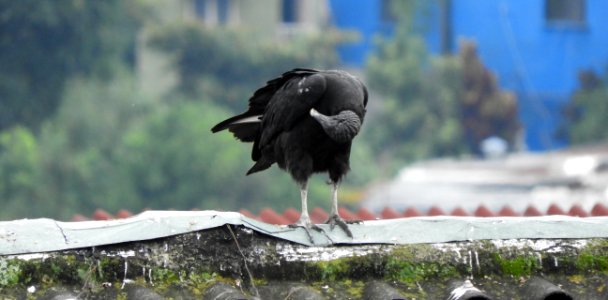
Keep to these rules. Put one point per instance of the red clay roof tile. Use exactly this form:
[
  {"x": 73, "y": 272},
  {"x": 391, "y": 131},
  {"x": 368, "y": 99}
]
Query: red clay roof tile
[
  {"x": 599, "y": 210},
  {"x": 365, "y": 214},
  {"x": 554, "y": 209},
  {"x": 291, "y": 214},
  {"x": 483, "y": 211},
  {"x": 411, "y": 212},
  {"x": 507, "y": 211},
  {"x": 247, "y": 214},
  {"x": 268, "y": 215},
  {"x": 318, "y": 215},
  {"x": 101, "y": 214},
  {"x": 459, "y": 212},
  {"x": 389, "y": 213},
  {"x": 532, "y": 211},
  {"x": 79, "y": 218},
  {"x": 347, "y": 214},
  {"x": 435, "y": 211},
  {"x": 577, "y": 211},
  {"x": 123, "y": 213}
]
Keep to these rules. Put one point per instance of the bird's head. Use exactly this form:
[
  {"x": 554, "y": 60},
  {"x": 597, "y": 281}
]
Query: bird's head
[{"x": 342, "y": 127}]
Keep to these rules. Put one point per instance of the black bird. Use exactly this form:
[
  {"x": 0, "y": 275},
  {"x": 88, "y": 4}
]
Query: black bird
[{"x": 305, "y": 121}]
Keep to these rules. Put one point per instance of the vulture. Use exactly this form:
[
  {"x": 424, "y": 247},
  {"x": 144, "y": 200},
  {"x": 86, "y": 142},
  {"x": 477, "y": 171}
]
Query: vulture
[{"x": 304, "y": 121}]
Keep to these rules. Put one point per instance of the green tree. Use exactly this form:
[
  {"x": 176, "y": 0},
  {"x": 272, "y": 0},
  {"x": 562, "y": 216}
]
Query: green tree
[
  {"x": 19, "y": 173},
  {"x": 486, "y": 110},
  {"x": 227, "y": 65},
  {"x": 174, "y": 161},
  {"x": 43, "y": 43},
  {"x": 418, "y": 114},
  {"x": 106, "y": 145},
  {"x": 78, "y": 162},
  {"x": 587, "y": 111},
  {"x": 432, "y": 106}
]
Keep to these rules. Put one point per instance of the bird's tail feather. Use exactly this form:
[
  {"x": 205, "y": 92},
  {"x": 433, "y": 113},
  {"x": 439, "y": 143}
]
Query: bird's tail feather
[
  {"x": 245, "y": 118},
  {"x": 245, "y": 127},
  {"x": 262, "y": 164}
]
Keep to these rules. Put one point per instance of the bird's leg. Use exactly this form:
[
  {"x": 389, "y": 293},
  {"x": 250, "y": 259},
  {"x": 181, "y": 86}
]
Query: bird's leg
[
  {"x": 304, "y": 220},
  {"x": 334, "y": 199},
  {"x": 304, "y": 217},
  {"x": 334, "y": 217}
]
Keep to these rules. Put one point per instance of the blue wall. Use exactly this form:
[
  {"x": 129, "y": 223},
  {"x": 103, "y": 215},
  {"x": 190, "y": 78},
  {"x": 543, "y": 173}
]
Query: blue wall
[
  {"x": 537, "y": 60},
  {"x": 363, "y": 17}
]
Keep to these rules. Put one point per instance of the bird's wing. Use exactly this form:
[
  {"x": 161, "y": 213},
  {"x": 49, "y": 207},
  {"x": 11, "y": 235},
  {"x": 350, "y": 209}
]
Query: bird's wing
[
  {"x": 290, "y": 103},
  {"x": 263, "y": 95},
  {"x": 246, "y": 126}
]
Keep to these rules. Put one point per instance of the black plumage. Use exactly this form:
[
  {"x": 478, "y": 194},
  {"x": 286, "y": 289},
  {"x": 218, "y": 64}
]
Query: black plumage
[{"x": 305, "y": 121}]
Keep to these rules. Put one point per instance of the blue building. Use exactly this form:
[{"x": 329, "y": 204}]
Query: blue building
[{"x": 535, "y": 47}]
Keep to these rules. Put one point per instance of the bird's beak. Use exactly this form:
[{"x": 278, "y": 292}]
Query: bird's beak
[{"x": 314, "y": 113}]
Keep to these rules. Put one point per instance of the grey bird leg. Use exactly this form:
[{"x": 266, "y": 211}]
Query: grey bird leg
[
  {"x": 304, "y": 217},
  {"x": 334, "y": 217},
  {"x": 304, "y": 220}
]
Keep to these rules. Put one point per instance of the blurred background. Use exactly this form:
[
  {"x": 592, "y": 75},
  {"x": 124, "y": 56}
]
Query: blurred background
[{"x": 109, "y": 104}]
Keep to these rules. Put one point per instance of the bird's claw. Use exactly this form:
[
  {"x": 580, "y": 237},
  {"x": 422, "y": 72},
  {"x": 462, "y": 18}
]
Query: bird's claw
[
  {"x": 337, "y": 220},
  {"x": 307, "y": 227}
]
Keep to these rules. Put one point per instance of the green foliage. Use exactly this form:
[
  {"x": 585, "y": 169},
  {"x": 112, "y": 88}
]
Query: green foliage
[
  {"x": 91, "y": 138},
  {"x": 486, "y": 110},
  {"x": 109, "y": 147},
  {"x": 173, "y": 161},
  {"x": 43, "y": 44},
  {"x": 432, "y": 106},
  {"x": 227, "y": 65},
  {"x": 19, "y": 161},
  {"x": 418, "y": 117},
  {"x": 588, "y": 110},
  {"x": 78, "y": 164}
]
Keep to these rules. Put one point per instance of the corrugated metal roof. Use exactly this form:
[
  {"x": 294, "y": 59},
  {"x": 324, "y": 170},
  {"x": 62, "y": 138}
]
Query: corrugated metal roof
[{"x": 40, "y": 235}]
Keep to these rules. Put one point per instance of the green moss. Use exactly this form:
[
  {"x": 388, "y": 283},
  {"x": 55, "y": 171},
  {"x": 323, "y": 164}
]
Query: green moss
[
  {"x": 410, "y": 264},
  {"x": 345, "y": 288},
  {"x": 121, "y": 296},
  {"x": 419, "y": 271},
  {"x": 416, "y": 263},
  {"x": 198, "y": 282},
  {"x": 163, "y": 278},
  {"x": 519, "y": 266},
  {"x": 354, "y": 268},
  {"x": 10, "y": 273},
  {"x": 332, "y": 270},
  {"x": 593, "y": 258},
  {"x": 410, "y": 272},
  {"x": 354, "y": 289},
  {"x": 586, "y": 261}
]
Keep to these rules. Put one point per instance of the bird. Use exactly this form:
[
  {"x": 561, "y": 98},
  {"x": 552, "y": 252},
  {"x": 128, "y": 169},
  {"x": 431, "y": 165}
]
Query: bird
[{"x": 304, "y": 121}]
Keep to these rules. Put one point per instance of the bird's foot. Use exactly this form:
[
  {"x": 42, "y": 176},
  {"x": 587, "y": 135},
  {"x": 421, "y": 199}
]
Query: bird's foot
[
  {"x": 308, "y": 226},
  {"x": 335, "y": 219}
]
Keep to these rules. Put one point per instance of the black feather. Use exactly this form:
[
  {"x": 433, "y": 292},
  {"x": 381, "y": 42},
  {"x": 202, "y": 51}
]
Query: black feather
[{"x": 288, "y": 135}]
